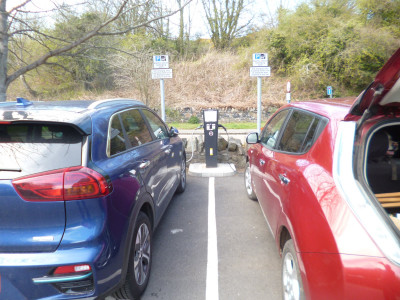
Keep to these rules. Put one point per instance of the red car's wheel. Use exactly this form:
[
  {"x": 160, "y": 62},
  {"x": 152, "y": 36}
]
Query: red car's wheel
[
  {"x": 248, "y": 184},
  {"x": 291, "y": 278}
]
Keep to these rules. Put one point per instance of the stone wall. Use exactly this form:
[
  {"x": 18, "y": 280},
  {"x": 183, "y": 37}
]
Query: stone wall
[
  {"x": 226, "y": 115},
  {"x": 232, "y": 152}
]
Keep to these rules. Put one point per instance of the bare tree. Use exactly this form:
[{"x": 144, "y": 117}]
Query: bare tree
[
  {"x": 10, "y": 27},
  {"x": 133, "y": 69},
  {"x": 223, "y": 17}
]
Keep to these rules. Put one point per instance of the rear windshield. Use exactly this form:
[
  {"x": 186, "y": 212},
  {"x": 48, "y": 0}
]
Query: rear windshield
[{"x": 31, "y": 148}]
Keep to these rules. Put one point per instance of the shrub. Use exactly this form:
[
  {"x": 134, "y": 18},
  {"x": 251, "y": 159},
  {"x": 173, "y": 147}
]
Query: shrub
[{"x": 194, "y": 120}]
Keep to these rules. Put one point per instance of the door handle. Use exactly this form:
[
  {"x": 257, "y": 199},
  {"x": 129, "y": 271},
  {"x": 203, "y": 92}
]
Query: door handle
[
  {"x": 144, "y": 164},
  {"x": 284, "y": 179},
  {"x": 168, "y": 149},
  {"x": 262, "y": 162}
]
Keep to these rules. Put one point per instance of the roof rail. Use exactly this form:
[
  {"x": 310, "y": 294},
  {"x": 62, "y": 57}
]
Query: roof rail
[{"x": 108, "y": 102}]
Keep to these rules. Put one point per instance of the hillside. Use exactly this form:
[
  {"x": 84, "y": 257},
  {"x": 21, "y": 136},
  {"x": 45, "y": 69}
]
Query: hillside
[{"x": 216, "y": 80}]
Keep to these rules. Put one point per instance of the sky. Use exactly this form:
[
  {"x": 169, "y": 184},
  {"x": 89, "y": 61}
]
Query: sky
[{"x": 260, "y": 11}]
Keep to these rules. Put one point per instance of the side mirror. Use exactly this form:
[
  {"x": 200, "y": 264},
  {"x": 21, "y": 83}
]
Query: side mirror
[
  {"x": 252, "y": 138},
  {"x": 173, "y": 131}
]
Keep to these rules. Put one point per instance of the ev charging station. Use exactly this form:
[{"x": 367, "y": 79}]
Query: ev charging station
[
  {"x": 210, "y": 117},
  {"x": 211, "y": 168}
]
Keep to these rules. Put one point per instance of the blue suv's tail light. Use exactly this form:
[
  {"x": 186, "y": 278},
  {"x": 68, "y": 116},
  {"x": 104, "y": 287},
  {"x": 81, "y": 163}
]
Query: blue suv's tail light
[{"x": 73, "y": 183}]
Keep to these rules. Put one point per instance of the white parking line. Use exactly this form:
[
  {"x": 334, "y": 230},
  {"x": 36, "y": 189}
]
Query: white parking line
[{"x": 212, "y": 252}]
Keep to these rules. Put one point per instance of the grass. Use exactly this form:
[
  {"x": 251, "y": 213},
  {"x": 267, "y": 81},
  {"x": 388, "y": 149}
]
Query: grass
[{"x": 238, "y": 125}]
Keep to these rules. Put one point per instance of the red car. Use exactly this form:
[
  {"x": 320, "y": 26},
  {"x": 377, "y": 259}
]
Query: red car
[{"x": 327, "y": 177}]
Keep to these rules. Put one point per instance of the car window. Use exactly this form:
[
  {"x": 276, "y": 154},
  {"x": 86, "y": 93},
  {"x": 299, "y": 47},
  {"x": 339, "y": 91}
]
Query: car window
[
  {"x": 116, "y": 136},
  {"x": 128, "y": 129},
  {"x": 38, "y": 133},
  {"x": 135, "y": 128},
  {"x": 299, "y": 132},
  {"x": 31, "y": 148},
  {"x": 157, "y": 126},
  {"x": 270, "y": 133}
]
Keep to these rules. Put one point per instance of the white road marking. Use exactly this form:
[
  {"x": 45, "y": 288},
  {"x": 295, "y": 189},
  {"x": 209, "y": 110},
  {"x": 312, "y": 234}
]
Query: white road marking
[
  {"x": 212, "y": 253},
  {"x": 175, "y": 231}
]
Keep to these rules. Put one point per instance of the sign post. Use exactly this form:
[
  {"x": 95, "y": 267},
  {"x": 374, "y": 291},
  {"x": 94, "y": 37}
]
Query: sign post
[
  {"x": 259, "y": 69},
  {"x": 162, "y": 94},
  {"x": 161, "y": 71},
  {"x": 288, "y": 92}
]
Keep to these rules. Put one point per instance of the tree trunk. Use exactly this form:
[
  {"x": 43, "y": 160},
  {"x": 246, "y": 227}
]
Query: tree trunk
[
  {"x": 181, "y": 28},
  {"x": 3, "y": 50}
]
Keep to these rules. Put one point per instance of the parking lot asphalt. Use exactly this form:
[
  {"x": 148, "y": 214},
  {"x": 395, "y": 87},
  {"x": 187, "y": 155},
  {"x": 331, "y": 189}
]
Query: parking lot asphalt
[{"x": 248, "y": 263}]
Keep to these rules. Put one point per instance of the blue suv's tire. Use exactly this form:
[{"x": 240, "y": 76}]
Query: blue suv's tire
[
  {"x": 182, "y": 177},
  {"x": 140, "y": 258}
]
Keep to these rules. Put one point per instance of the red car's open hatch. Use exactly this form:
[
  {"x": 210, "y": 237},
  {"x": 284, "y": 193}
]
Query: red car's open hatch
[{"x": 384, "y": 92}]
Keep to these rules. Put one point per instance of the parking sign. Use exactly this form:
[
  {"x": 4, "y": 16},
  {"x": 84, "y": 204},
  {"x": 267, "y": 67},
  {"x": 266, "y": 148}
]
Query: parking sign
[
  {"x": 160, "y": 62},
  {"x": 260, "y": 59}
]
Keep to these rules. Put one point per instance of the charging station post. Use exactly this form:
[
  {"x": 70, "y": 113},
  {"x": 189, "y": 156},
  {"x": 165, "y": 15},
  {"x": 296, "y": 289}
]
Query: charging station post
[{"x": 210, "y": 118}]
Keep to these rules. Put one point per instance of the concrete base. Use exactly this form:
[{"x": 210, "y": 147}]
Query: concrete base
[{"x": 222, "y": 170}]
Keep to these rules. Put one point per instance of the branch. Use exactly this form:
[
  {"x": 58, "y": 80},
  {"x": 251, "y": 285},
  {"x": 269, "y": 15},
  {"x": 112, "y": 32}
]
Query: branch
[
  {"x": 66, "y": 48},
  {"x": 60, "y": 66},
  {"x": 95, "y": 32},
  {"x": 145, "y": 23},
  {"x": 19, "y": 6}
]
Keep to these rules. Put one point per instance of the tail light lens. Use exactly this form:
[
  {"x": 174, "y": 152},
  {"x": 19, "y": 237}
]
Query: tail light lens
[{"x": 64, "y": 184}]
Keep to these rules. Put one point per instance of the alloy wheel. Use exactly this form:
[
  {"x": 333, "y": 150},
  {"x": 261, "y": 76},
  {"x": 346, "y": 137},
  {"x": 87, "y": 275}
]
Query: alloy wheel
[
  {"x": 248, "y": 181},
  {"x": 142, "y": 254},
  {"x": 183, "y": 173},
  {"x": 291, "y": 284}
]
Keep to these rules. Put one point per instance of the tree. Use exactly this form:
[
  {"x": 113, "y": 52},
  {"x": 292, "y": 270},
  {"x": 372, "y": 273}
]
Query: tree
[
  {"x": 223, "y": 17},
  {"x": 133, "y": 69},
  {"x": 16, "y": 23},
  {"x": 330, "y": 42}
]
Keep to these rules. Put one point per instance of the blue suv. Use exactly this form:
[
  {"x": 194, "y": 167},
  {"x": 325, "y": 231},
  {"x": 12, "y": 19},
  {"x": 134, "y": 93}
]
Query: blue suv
[{"x": 83, "y": 184}]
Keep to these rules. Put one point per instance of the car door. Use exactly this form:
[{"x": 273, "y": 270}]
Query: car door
[
  {"x": 263, "y": 163},
  {"x": 169, "y": 152},
  {"x": 137, "y": 153},
  {"x": 283, "y": 165}
]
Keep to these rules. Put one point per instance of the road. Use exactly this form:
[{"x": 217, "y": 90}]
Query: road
[{"x": 246, "y": 263}]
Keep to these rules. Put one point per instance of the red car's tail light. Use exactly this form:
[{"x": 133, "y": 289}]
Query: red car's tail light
[
  {"x": 64, "y": 184},
  {"x": 72, "y": 269}
]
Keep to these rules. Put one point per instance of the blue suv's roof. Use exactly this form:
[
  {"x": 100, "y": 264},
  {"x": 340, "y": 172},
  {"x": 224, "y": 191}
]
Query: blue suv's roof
[{"x": 76, "y": 112}]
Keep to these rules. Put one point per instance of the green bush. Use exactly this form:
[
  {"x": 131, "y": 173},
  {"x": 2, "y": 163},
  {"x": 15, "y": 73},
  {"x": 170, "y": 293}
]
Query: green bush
[{"x": 194, "y": 120}]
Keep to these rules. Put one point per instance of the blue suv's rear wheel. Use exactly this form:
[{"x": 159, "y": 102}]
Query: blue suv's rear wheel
[
  {"x": 182, "y": 176},
  {"x": 139, "y": 267}
]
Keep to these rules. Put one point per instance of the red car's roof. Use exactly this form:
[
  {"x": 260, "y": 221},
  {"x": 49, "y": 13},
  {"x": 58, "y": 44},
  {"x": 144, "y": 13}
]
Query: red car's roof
[{"x": 331, "y": 108}]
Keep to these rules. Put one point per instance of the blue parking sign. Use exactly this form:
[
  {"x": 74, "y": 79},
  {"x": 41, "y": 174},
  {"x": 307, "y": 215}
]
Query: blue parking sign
[{"x": 329, "y": 90}]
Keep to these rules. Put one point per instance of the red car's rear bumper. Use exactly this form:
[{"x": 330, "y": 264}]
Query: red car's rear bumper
[{"x": 340, "y": 276}]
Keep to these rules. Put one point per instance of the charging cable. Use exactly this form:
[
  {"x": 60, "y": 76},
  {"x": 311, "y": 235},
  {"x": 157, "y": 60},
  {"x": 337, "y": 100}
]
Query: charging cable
[
  {"x": 191, "y": 137},
  {"x": 219, "y": 125}
]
